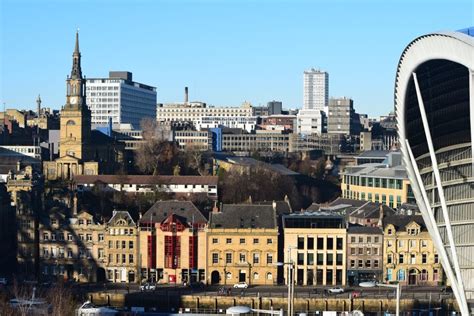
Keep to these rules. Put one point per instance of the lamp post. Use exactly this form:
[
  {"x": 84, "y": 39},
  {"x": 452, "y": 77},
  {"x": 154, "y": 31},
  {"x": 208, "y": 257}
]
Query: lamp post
[
  {"x": 291, "y": 283},
  {"x": 393, "y": 286}
]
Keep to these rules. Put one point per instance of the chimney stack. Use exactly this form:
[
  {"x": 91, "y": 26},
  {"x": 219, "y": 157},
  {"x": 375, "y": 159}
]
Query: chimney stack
[
  {"x": 215, "y": 208},
  {"x": 186, "y": 95},
  {"x": 74, "y": 204}
]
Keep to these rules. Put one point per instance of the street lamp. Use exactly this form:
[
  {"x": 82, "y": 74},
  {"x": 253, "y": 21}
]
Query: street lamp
[
  {"x": 291, "y": 284},
  {"x": 394, "y": 286}
]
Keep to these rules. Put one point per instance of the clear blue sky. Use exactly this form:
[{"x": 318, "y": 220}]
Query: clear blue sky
[{"x": 226, "y": 51}]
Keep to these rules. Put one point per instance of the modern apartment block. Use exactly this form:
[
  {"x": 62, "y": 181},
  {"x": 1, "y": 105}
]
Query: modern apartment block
[
  {"x": 341, "y": 117},
  {"x": 120, "y": 99},
  {"x": 385, "y": 183},
  {"x": 315, "y": 242},
  {"x": 242, "y": 245},
  {"x": 309, "y": 122},
  {"x": 316, "y": 90},
  {"x": 434, "y": 103}
]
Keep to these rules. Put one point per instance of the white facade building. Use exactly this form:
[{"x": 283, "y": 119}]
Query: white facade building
[
  {"x": 199, "y": 114},
  {"x": 243, "y": 122},
  {"x": 119, "y": 98},
  {"x": 316, "y": 90},
  {"x": 310, "y": 122},
  {"x": 30, "y": 151}
]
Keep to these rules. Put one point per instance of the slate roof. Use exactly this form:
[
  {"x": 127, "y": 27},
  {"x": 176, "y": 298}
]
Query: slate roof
[
  {"x": 117, "y": 215},
  {"x": 378, "y": 170},
  {"x": 144, "y": 179},
  {"x": 339, "y": 201},
  {"x": 401, "y": 221},
  {"x": 372, "y": 210},
  {"x": 364, "y": 230},
  {"x": 373, "y": 154},
  {"x": 185, "y": 210},
  {"x": 281, "y": 207},
  {"x": 243, "y": 216}
]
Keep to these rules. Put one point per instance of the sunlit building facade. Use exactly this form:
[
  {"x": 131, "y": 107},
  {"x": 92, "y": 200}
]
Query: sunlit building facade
[{"x": 434, "y": 97}]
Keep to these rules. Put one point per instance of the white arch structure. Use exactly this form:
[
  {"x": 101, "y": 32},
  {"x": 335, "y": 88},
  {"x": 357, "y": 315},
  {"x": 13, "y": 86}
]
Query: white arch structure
[{"x": 436, "y": 70}]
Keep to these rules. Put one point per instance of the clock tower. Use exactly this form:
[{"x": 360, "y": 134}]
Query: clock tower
[{"x": 75, "y": 121}]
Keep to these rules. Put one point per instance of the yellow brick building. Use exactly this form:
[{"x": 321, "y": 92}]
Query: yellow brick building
[
  {"x": 315, "y": 244},
  {"x": 242, "y": 245},
  {"x": 409, "y": 253}
]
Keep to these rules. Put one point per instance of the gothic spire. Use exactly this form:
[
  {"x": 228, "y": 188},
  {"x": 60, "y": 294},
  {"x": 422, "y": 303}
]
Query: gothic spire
[{"x": 76, "y": 72}]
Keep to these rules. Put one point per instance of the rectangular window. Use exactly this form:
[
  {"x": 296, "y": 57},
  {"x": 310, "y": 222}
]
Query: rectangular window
[
  {"x": 320, "y": 259},
  {"x": 130, "y": 244},
  {"x": 256, "y": 258},
  {"x": 330, "y": 243},
  {"x": 215, "y": 258},
  {"x": 214, "y": 240},
  {"x": 310, "y": 243},
  {"x": 310, "y": 259},
  {"x": 424, "y": 258},
  {"x": 339, "y": 259},
  {"x": 353, "y": 239},
  {"x": 353, "y": 264},
  {"x": 300, "y": 242},
  {"x": 269, "y": 258},
  {"x": 255, "y": 241},
  {"x": 101, "y": 237},
  {"x": 228, "y": 240},
  {"x": 367, "y": 263},
  {"x": 269, "y": 241},
  {"x": 320, "y": 243},
  {"x": 329, "y": 259},
  {"x": 242, "y": 241},
  {"x": 130, "y": 258},
  {"x": 361, "y": 263},
  {"x": 339, "y": 243},
  {"x": 242, "y": 258},
  {"x": 228, "y": 257},
  {"x": 300, "y": 260}
]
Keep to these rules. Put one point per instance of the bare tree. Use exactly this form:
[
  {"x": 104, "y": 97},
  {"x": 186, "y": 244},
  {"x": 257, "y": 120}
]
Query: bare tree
[
  {"x": 193, "y": 156},
  {"x": 156, "y": 153}
]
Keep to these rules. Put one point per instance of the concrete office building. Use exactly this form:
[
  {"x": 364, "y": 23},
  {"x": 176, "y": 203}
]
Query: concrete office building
[
  {"x": 310, "y": 122},
  {"x": 119, "y": 98},
  {"x": 434, "y": 98},
  {"x": 342, "y": 118},
  {"x": 274, "y": 107},
  {"x": 316, "y": 90}
]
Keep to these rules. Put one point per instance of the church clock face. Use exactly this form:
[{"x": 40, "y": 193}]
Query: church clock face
[{"x": 73, "y": 100}]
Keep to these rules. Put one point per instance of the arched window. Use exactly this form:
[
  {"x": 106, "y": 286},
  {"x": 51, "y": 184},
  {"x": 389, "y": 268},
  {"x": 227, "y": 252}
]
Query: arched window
[
  {"x": 70, "y": 122},
  {"x": 269, "y": 276},
  {"x": 228, "y": 276},
  {"x": 255, "y": 276}
]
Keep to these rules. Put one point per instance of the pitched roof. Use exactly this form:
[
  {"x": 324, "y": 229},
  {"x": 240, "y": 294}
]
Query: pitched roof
[
  {"x": 118, "y": 215},
  {"x": 145, "y": 179},
  {"x": 358, "y": 229},
  {"x": 281, "y": 207},
  {"x": 372, "y": 210},
  {"x": 401, "y": 221},
  {"x": 244, "y": 216},
  {"x": 186, "y": 211},
  {"x": 351, "y": 202}
]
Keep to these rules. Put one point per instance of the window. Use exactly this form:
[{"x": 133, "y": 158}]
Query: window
[
  {"x": 389, "y": 231},
  {"x": 242, "y": 241},
  {"x": 339, "y": 243},
  {"x": 320, "y": 257},
  {"x": 436, "y": 260},
  {"x": 360, "y": 263},
  {"x": 45, "y": 236},
  {"x": 401, "y": 275},
  {"x": 361, "y": 239},
  {"x": 375, "y": 251},
  {"x": 424, "y": 258},
  {"x": 300, "y": 242},
  {"x": 89, "y": 237},
  {"x": 412, "y": 243},
  {"x": 111, "y": 244},
  {"x": 130, "y": 244},
  {"x": 401, "y": 258},
  {"x": 353, "y": 239},
  {"x": 361, "y": 251},
  {"x": 130, "y": 258},
  {"x": 100, "y": 253},
  {"x": 329, "y": 259},
  {"x": 300, "y": 258},
  {"x": 81, "y": 236},
  {"x": 242, "y": 258},
  {"x": 424, "y": 243},
  {"x": 255, "y": 241},
  {"x": 339, "y": 259},
  {"x": 124, "y": 258},
  {"x": 412, "y": 258},
  {"x": 400, "y": 243},
  {"x": 269, "y": 258},
  {"x": 214, "y": 240},
  {"x": 389, "y": 258},
  {"x": 376, "y": 263},
  {"x": 376, "y": 239},
  {"x": 215, "y": 258},
  {"x": 389, "y": 243},
  {"x": 310, "y": 259},
  {"x": 330, "y": 243},
  {"x": 368, "y": 250},
  {"x": 353, "y": 251},
  {"x": 320, "y": 243},
  {"x": 124, "y": 244},
  {"x": 369, "y": 239},
  {"x": 69, "y": 237},
  {"x": 389, "y": 274},
  {"x": 368, "y": 263},
  {"x": 101, "y": 237},
  {"x": 256, "y": 258},
  {"x": 310, "y": 244},
  {"x": 228, "y": 257},
  {"x": 269, "y": 241},
  {"x": 353, "y": 264},
  {"x": 228, "y": 240}
]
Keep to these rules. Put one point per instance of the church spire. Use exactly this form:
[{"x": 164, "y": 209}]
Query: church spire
[{"x": 76, "y": 72}]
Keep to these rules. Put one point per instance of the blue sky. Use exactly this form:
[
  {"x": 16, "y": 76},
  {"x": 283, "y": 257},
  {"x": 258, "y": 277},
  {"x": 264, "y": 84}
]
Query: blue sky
[{"x": 226, "y": 51}]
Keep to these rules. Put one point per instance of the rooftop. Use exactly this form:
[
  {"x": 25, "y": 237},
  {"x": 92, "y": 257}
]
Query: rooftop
[
  {"x": 144, "y": 179},
  {"x": 244, "y": 216},
  {"x": 185, "y": 210}
]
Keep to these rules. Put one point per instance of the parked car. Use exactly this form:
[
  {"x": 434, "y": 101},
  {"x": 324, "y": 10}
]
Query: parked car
[
  {"x": 241, "y": 285},
  {"x": 148, "y": 287},
  {"x": 336, "y": 290}
]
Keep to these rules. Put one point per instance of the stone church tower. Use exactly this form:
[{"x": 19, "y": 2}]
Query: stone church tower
[
  {"x": 75, "y": 122},
  {"x": 75, "y": 147}
]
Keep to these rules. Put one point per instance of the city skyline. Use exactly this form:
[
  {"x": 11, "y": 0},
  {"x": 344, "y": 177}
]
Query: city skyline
[{"x": 170, "y": 46}]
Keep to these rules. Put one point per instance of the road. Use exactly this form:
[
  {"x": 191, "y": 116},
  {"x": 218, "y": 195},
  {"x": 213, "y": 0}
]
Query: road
[{"x": 412, "y": 292}]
